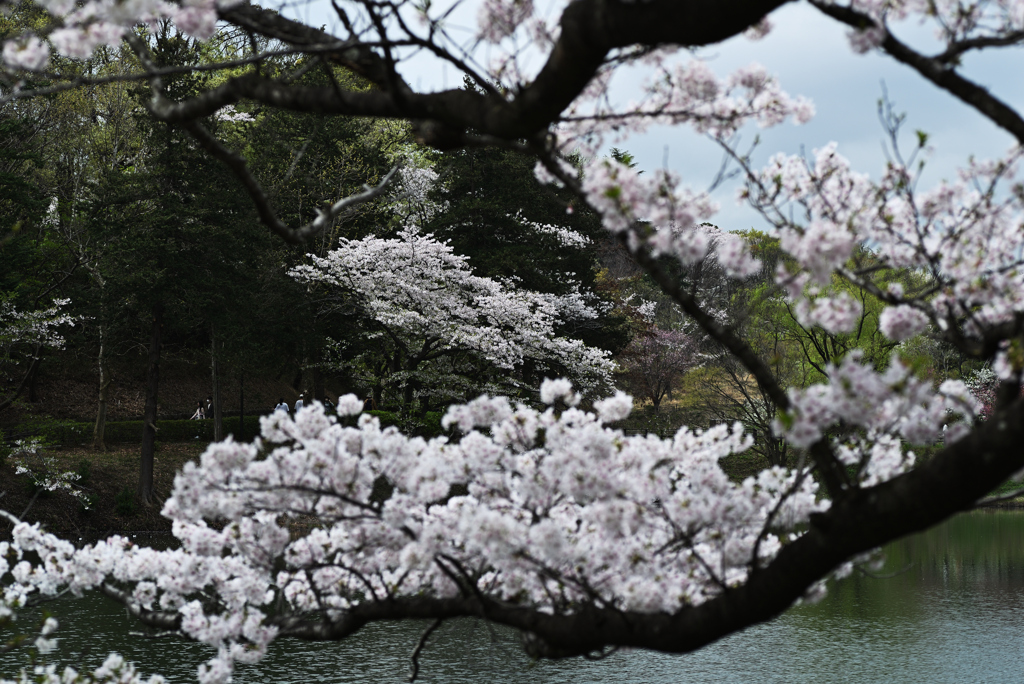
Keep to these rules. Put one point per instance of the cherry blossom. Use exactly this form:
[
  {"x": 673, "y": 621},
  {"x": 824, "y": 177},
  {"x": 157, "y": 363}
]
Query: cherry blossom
[
  {"x": 427, "y": 297},
  {"x": 30, "y": 53},
  {"x": 550, "y": 509},
  {"x": 891, "y": 402},
  {"x": 902, "y": 322},
  {"x": 40, "y": 327},
  {"x": 559, "y": 508},
  {"x": 498, "y": 19}
]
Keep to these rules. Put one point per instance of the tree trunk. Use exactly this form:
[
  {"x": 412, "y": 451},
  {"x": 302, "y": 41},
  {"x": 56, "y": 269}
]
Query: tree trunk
[
  {"x": 145, "y": 491},
  {"x": 218, "y": 415},
  {"x": 318, "y": 383},
  {"x": 33, "y": 377},
  {"x": 241, "y": 407},
  {"x": 24, "y": 380},
  {"x": 100, "y": 427}
]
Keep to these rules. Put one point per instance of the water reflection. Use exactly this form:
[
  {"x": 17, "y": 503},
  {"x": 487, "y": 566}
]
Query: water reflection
[{"x": 955, "y": 614}]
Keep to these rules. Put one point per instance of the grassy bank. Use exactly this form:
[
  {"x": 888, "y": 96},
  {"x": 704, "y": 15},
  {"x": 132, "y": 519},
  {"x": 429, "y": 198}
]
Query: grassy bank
[{"x": 109, "y": 479}]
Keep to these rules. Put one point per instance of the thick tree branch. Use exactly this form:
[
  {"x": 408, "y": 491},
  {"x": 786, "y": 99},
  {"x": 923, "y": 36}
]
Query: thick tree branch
[
  {"x": 951, "y": 482},
  {"x": 590, "y": 30},
  {"x": 151, "y": 618},
  {"x": 956, "y": 49}
]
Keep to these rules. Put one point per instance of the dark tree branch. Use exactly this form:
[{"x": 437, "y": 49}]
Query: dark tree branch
[
  {"x": 151, "y": 618},
  {"x": 420, "y": 645},
  {"x": 268, "y": 217},
  {"x": 24, "y": 380},
  {"x": 590, "y": 31},
  {"x": 935, "y": 69},
  {"x": 956, "y": 49}
]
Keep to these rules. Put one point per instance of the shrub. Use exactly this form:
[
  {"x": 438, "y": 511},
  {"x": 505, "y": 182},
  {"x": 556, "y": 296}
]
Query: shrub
[
  {"x": 84, "y": 471},
  {"x": 124, "y": 502}
]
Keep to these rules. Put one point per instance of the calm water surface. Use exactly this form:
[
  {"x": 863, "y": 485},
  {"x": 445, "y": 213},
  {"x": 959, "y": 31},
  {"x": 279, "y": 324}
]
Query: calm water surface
[{"x": 952, "y": 612}]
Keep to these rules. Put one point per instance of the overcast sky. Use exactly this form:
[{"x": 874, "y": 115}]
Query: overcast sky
[{"x": 810, "y": 55}]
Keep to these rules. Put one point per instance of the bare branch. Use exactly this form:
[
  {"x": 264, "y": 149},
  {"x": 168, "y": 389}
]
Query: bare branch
[
  {"x": 957, "y": 49},
  {"x": 420, "y": 646},
  {"x": 268, "y": 217}
]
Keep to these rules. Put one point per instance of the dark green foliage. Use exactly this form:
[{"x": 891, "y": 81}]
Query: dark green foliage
[
  {"x": 55, "y": 433},
  {"x": 492, "y": 199},
  {"x": 427, "y": 425},
  {"x": 307, "y": 160},
  {"x": 124, "y": 502},
  {"x": 84, "y": 470},
  {"x": 21, "y": 199}
]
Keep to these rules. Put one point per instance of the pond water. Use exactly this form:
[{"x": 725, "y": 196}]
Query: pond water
[{"x": 951, "y": 611}]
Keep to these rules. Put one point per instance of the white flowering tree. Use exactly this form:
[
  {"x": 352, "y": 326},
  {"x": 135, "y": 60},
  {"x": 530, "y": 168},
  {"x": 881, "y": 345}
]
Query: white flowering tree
[
  {"x": 583, "y": 539},
  {"x": 444, "y": 332},
  {"x": 23, "y": 337}
]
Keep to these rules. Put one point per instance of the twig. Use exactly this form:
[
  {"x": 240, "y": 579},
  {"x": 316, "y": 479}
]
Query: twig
[
  {"x": 419, "y": 648},
  {"x": 31, "y": 501},
  {"x": 993, "y": 500}
]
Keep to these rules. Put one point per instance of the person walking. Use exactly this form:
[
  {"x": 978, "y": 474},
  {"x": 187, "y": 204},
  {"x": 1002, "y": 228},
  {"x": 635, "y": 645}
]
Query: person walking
[
  {"x": 299, "y": 403},
  {"x": 199, "y": 414},
  {"x": 281, "y": 406}
]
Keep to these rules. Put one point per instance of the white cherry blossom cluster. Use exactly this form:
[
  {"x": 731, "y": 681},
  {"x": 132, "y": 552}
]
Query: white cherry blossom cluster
[
  {"x": 412, "y": 201},
  {"x": 421, "y": 291},
  {"x": 623, "y": 198},
  {"x": 567, "y": 237},
  {"x": 902, "y": 322},
  {"x": 39, "y": 327},
  {"x": 555, "y": 510},
  {"x": 84, "y": 27},
  {"x": 653, "y": 211},
  {"x": 575, "y": 306},
  {"x": 44, "y": 471},
  {"x": 45, "y": 576},
  {"x": 675, "y": 94},
  {"x": 114, "y": 670},
  {"x": 876, "y": 457},
  {"x": 964, "y": 236},
  {"x": 230, "y": 114},
  {"x": 892, "y": 402},
  {"x": 838, "y": 314}
]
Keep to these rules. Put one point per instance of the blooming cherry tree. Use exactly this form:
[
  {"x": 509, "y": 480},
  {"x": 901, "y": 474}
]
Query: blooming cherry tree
[
  {"x": 548, "y": 520},
  {"x": 541, "y": 536},
  {"x": 435, "y": 319},
  {"x": 25, "y": 334}
]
